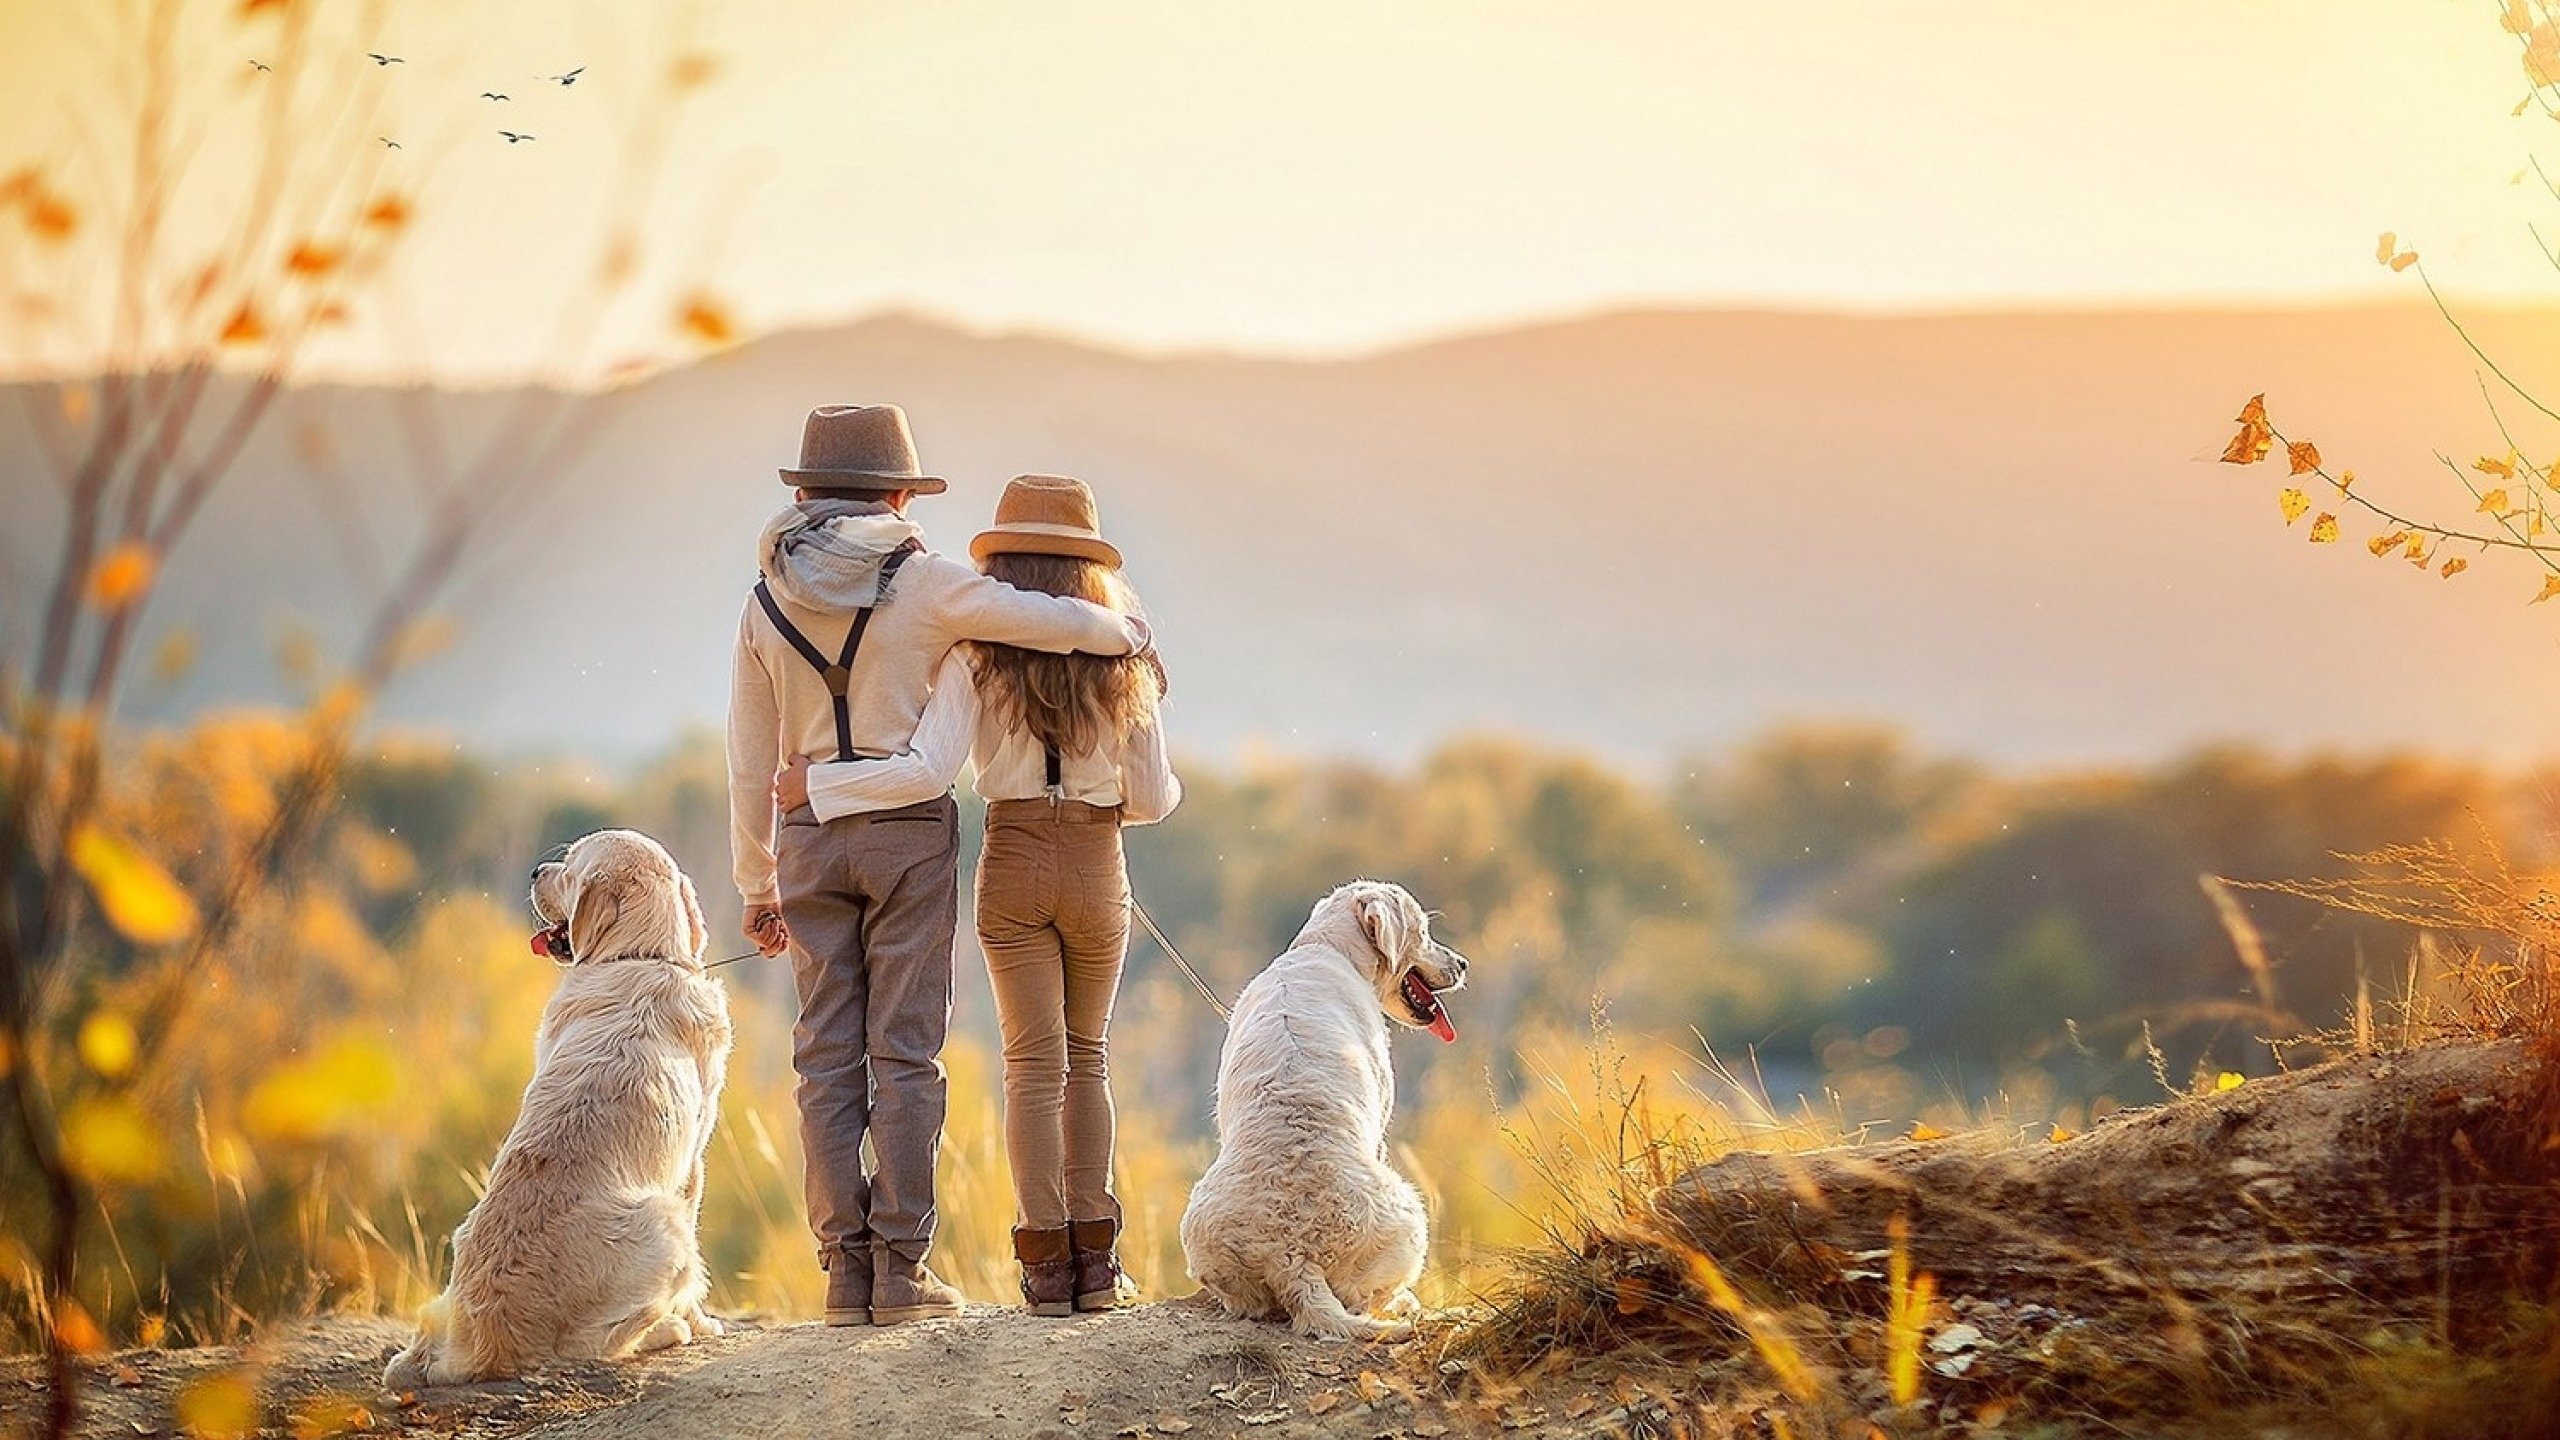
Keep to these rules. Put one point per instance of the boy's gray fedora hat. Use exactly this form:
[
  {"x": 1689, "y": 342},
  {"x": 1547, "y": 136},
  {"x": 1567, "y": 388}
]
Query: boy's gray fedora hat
[{"x": 860, "y": 447}]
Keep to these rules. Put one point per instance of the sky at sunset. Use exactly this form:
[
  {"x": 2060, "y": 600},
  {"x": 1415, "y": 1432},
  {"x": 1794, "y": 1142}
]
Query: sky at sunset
[{"x": 1336, "y": 174}]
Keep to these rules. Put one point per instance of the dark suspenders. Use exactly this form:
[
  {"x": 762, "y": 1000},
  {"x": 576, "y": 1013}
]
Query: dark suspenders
[
  {"x": 839, "y": 674},
  {"x": 1057, "y": 789}
]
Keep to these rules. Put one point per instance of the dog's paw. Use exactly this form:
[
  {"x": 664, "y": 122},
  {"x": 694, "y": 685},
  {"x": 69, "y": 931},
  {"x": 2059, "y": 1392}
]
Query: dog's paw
[
  {"x": 1402, "y": 1306},
  {"x": 670, "y": 1331},
  {"x": 405, "y": 1372},
  {"x": 705, "y": 1326}
]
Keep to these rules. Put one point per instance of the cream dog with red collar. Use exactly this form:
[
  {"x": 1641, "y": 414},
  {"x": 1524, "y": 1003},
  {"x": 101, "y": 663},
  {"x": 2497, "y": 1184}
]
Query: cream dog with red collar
[
  {"x": 1300, "y": 1215},
  {"x": 584, "y": 1245}
]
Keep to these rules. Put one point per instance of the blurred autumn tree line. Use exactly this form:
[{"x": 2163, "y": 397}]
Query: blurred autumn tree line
[{"x": 1816, "y": 879}]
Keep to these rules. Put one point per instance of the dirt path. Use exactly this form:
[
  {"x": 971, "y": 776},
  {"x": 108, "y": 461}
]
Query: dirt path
[{"x": 1173, "y": 1368}]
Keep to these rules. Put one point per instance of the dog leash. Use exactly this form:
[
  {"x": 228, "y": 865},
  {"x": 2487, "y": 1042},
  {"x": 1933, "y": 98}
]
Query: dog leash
[
  {"x": 1149, "y": 921},
  {"x": 1176, "y": 956}
]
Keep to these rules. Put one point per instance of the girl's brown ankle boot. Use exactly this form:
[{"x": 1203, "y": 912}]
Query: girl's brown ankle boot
[
  {"x": 1048, "y": 1270},
  {"x": 1099, "y": 1284}
]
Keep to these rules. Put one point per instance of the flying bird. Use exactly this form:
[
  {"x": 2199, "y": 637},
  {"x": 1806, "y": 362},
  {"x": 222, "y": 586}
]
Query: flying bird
[
  {"x": 491, "y": 95},
  {"x": 569, "y": 79},
  {"x": 261, "y": 67},
  {"x": 512, "y": 137},
  {"x": 384, "y": 59},
  {"x": 387, "y": 142}
]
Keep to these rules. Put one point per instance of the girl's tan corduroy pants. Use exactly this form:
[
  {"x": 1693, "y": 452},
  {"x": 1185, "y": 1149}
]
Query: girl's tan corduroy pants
[{"x": 1053, "y": 919}]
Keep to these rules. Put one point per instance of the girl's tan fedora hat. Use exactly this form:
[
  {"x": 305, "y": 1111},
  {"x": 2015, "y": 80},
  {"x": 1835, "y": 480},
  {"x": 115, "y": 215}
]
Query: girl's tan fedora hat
[{"x": 1046, "y": 515}]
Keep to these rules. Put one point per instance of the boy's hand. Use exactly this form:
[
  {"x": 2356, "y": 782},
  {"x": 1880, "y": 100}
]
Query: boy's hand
[
  {"x": 765, "y": 930},
  {"x": 791, "y": 787}
]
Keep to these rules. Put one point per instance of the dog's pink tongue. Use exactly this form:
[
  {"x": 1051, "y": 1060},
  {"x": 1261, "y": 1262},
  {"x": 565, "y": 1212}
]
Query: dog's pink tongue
[
  {"x": 542, "y": 943},
  {"x": 1441, "y": 1027}
]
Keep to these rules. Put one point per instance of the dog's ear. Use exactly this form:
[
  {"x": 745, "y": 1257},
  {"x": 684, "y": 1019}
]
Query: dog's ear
[
  {"x": 594, "y": 911},
  {"x": 697, "y": 934},
  {"x": 1383, "y": 920}
]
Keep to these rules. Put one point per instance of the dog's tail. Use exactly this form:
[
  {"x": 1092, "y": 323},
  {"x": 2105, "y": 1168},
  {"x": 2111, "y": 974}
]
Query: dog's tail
[{"x": 1315, "y": 1311}]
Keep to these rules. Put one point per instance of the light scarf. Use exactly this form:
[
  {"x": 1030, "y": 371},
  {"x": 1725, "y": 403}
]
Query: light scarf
[{"x": 825, "y": 555}]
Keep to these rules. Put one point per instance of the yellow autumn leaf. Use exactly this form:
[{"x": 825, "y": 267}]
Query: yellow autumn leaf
[
  {"x": 2533, "y": 525},
  {"x": 108, "y": 1139},
  {"x": 2502, "y": 467},
  {"x": 2061, "y": 1133},
  {"x": 2324, "y": 528},
  {"x": 2542, "y": 55},
  {"x": 138, "y": 898},
  {"x": 327, "y": 1416},
  {"x": 2295, "y": 504},
  {"x": 2453, "y": 567},
  {"x": 2256, "y": 436},
  {"x": 2346, "y": 481},
  {"x": 2517, "y": 19},
  {"x": 1923, "y": 1130},
  {"x": 244, "y": 327},
  {"x": 2416, "y": 550},
  {"x": 1632, "y": 1295},
  {"x": 2302, "y": 456},
  {"x": 121, "y": 575},
  {"x": 75, "y": 1330},
  {"x": 2404, "y": 259},
  {"x": 2384, "y": 544},
  {"x": 222, "y": 1406},
  {"x": 310, "y": 259},
  {"x": 706, "y": 321},
  {"x": 108, "y": 1045},
  {"x": 51, "y": 218},
  {"x": 331, "y": 1093},
  {"x": 2228, "y": 1080},
  {"x": 2386, "y": 248},
  {"x": 2494, "y": 502},
  {"x": 388, "y": 213}
]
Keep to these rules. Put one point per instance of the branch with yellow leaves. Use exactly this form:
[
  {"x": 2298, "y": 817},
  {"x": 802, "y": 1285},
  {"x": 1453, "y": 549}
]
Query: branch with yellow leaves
[{"x": 2407, "y": 534}]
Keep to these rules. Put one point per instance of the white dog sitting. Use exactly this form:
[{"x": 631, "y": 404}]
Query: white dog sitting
[
  {"x": 584, "y": 1246},
  {"x": 1300, "y": 1214}
]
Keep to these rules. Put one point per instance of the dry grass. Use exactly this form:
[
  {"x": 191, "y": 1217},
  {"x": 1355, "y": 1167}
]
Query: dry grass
[
  {"x": 1652, "y": 1298},
  {"x": 2484, "y": 969}
]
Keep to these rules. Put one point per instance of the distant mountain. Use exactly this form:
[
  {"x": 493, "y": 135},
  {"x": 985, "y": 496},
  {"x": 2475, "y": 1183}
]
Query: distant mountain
[{"x": 1638, "y": 532}]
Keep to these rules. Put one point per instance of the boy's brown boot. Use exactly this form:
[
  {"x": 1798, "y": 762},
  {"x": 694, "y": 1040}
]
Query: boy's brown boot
[
  {"x": 1048, "y": 1270},
  {"x": 1099, "y": 1283},
  {"x": 904, "y": 1290},
  {"x": 849, "y": 1287}
]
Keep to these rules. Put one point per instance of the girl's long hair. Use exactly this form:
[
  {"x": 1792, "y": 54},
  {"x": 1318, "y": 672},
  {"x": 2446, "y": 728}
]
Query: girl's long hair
[{"x": 1078, "y": 703}]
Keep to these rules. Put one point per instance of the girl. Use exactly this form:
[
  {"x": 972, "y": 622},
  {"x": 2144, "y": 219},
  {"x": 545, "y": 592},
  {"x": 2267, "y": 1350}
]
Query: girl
[{"x": 1068, "y": 748}]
